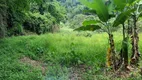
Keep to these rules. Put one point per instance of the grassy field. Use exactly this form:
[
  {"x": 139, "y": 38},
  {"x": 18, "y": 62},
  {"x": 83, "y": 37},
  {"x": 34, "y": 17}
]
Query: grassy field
[{"x": 59, "y": 56}]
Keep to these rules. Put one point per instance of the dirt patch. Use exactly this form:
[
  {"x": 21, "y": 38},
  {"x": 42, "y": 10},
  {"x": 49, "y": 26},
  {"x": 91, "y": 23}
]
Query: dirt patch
[
  {"x": 124, "y": 74},
  {"x": 34, "y": 63},
  {"x": 76, "y": 73}
]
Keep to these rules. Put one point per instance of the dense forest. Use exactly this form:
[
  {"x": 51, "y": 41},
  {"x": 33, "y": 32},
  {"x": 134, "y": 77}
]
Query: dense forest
[
  {"x": 70, "y": 39},
  {"x": 39, "y": 16}
]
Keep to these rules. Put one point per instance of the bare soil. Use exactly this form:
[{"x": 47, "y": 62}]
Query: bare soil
[{"x": 34, "y": 64}]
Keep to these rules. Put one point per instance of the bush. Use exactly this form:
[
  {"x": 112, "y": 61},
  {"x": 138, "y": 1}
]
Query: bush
[
  {"x": 39, "y": 23},
  {"x": 17, "y": 29}
]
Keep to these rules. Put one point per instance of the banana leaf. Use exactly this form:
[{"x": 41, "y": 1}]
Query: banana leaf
[
  {"x": 121, "y": 18},
  {"x": 100, "y": 8},
  {"x": 88, "y": 28}
]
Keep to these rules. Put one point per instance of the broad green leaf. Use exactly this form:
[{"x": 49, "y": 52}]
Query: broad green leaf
[
  {"x": 120, "y": 4},
  {"x": 111, "y": 6},
  {"x": 88, "y": 28},
  {"x": 90, "y": 22},
  {"x": 121, "y": 18},
  {"x": 130, "y": 1},
  {"x": 100, "y": 8}
]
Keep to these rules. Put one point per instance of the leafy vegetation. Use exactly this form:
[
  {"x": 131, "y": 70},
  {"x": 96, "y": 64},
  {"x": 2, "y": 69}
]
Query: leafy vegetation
[
  {"x": 60, "y": 52},
  {"x": 70, "y": 39},
  {"x": 124, "y": 11}
]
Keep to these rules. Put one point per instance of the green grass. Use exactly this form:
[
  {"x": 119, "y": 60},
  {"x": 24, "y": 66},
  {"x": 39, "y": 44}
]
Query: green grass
[{"x": 60, "y": 50}]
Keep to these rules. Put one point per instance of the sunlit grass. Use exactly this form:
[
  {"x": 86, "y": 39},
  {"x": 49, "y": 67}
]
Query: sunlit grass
[{"x": 66, "y": 49}]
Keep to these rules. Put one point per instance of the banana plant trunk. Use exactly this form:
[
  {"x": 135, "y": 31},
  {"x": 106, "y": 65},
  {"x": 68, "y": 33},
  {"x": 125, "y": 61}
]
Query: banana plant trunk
[
  {"x": 125, "y": 52},
  {"x": 112, "y": 47},
  {"x": 135, "y": 39},
  {"x": 124, "y": 48}
]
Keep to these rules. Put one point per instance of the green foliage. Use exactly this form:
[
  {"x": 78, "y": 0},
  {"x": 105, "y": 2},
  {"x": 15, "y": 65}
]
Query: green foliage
[
  {"x": 121, "y": 18},
  {"x": 88, "y": 28},
  {"x": 102, "y": 11},
  {"x": 15, "y": 13},
  {"x": 17, "y": 29},
  {"x": 15, "y": 20},
  {"x": 10, "y": 66},
  {"x": 77, "y": 20},
  {"x": 54, "y": 48},
  {"x": 58, "y": 51},
  {"x": 74, "y": 13},
  {"x": 125, "y": 50},
  {"x": 52, "y": 13},
  {"x": 71, "y": 58},
  {"x": 120, "y": 4},
  {"x": 39, "y": 23},
  {"x": 91, "y": 22},
  {"x": 3, "y": 14},
  {"x": 57, "y": 72},
  {"x": 56, "y": 10},
  {"x": 89, "y": 25}
]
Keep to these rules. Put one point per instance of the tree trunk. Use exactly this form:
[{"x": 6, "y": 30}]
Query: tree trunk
[
  {"x": 135, "y": 39},
  {"x": 113, "y": 53}
]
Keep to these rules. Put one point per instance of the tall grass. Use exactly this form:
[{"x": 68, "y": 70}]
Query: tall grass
[{"x": 67, "y": 49}]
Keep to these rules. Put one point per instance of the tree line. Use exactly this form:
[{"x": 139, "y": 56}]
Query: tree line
[{"x": 39, "y": 16}]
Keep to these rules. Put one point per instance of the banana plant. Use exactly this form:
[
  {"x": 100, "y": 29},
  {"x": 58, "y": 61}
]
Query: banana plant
[
  {"x": 129, "y": 8},
  {"x": 135, "y": 38},
  {"x": 123, "y": 14},
  {"x": 104, "y": 11}
]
